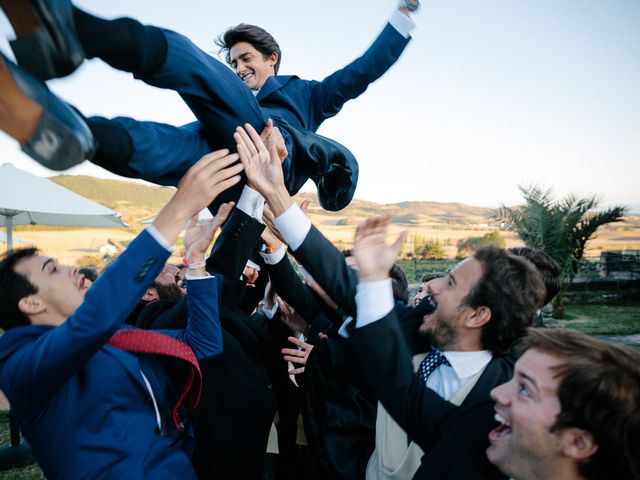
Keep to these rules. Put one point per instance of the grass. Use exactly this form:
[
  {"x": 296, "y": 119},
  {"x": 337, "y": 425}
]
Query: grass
[
  {"x": 30, "y": 472},
  {"x": 601, "y": 319}
]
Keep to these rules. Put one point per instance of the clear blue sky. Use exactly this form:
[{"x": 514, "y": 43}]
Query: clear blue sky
[{"x": 489, "y": 94}]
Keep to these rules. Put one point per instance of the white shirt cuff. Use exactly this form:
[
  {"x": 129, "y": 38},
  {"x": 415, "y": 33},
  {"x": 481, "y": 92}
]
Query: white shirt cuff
[
  {"x": 401, "y": 23},
  {"x": 270, "y": 312},
  {"x": 294, "y": 226},
  {"x": 158, "y": 237},
  {"x": 275, "y": 257},
  {"x": 251, "y": 203},
  {"x": 193, "y": 277},
  {"x": 374, "y": 300},
  {"x": 343, "y": 329}
]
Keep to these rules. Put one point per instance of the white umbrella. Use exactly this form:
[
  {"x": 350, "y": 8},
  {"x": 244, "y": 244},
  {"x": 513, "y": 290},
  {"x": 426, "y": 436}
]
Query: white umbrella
[{"x": 29, "y": 200}]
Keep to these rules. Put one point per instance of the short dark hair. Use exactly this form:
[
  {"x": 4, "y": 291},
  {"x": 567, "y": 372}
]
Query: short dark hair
[
  {"x": 14, "y": 287},
  {"x": 427, "y": 277},
  {"x": 599, "y": 391},
  {"x": 258, "y": 37},
  {"x": 512, "y": 289},
  {"x": 547, "y": 266},
  {"x": 399, "y": 284}
]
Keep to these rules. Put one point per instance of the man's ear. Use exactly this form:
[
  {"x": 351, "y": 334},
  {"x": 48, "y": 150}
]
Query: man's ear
[
  {"x": 578, "y": 443},
  {"x": 273, "y": 59},
  {"x": 479, "y": 316},
  {"x": 31, "y": 305}
]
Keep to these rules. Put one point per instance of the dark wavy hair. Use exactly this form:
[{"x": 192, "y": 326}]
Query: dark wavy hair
[
  {"x": 547, "y": 266},
  {"x": 261, "y": 40},
  {"x": 13, "y": 287},
  {"x": 512, "y": 289},
  {"x": 599, "y": 392}
]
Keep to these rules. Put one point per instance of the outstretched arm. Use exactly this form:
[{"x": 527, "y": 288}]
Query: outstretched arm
[
  {"x": 329, "y": 95},
  {"x": 41, "y": 366},
  {"x": 317, "y": 254}
]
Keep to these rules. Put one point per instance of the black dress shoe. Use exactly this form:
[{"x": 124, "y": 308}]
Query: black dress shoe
[
  {"x": 62, "y": 139},
  {"x": 46, "y": 45}
]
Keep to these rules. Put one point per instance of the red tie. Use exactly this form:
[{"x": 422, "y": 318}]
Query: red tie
[{"x": 144, "y": 341}]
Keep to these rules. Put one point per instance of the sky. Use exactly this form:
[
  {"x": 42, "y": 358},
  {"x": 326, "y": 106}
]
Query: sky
[{"x": 488, "y": 95}]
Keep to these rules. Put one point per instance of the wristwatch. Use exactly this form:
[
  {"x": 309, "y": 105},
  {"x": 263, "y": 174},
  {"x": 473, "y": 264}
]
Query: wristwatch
[{"x": 411, "y": 5}]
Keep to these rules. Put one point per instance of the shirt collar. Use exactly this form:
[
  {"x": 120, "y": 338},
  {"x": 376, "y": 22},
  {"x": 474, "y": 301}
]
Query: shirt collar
[{"x": 467, "y": 364}]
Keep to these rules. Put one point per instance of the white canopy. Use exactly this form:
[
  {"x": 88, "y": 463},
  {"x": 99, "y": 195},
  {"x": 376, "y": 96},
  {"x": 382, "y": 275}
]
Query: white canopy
[{"x": 29, "y": 200}]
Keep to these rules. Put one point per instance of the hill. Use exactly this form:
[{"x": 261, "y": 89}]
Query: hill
[{"x": 443, "y": 222}]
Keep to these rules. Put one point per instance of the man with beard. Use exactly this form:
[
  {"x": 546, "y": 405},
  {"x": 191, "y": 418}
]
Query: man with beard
[{"x": 482, "y": 307}]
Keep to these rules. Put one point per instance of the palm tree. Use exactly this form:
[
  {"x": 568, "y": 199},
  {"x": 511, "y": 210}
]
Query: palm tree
[{"x": 560, "y": 228}]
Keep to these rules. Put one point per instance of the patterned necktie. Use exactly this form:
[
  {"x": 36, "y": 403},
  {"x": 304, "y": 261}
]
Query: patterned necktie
[
  {"x": 433, "y": 360},
  {"x": 143, "y": 341}
]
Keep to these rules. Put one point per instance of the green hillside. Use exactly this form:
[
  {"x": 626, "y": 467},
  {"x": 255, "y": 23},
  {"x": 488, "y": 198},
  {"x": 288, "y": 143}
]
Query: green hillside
[{"x": 135, "y": 201}]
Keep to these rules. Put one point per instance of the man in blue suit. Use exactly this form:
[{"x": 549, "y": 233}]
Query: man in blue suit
[
  {"x": 88, "y": 408},
  {"x": 221, "y": 101}
]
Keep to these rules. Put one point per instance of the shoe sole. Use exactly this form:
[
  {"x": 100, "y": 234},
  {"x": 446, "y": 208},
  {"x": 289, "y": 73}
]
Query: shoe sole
[
  {"x": 42, "y": 48},
  {"x": 62, "y": 138}
]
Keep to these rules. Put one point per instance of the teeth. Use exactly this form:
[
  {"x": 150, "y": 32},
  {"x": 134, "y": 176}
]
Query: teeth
[{"x": 498, "y": 418}]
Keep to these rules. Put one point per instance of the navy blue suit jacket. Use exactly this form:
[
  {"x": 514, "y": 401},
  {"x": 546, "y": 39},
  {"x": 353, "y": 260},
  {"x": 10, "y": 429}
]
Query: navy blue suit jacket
[
  {"x": 221, "y": 102},
  {"x": 82, "y": 404}
]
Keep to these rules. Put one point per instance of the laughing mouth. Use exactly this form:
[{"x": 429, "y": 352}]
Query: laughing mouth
[{"x": 502, "y": 431}]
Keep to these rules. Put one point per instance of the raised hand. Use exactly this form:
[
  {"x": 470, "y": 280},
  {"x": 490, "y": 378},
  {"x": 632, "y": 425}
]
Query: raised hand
[
  {"x": 203, "y": 182},
  {"x": 262, "y": 165},
  {"x": 198, "y": 236},
  {"x": 373, "y": 255},
  {"x": 273, "y": 133}
]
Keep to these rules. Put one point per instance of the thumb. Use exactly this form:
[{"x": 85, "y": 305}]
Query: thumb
[{"x": 397, "y": 245}]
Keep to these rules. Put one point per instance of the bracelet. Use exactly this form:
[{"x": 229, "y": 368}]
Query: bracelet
[{"x": 194, "y": 265}]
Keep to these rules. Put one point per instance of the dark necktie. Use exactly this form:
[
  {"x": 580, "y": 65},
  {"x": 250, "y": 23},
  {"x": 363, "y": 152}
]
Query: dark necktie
[
  {"x": 433, "y": 360},
  {"x": 143, "y": 341}
]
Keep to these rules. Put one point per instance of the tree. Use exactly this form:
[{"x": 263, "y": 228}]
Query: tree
[
  {"x": 470, "y": 245},
  {"x": 560, "y": 228},
  {"x": 431, "y": 250}
]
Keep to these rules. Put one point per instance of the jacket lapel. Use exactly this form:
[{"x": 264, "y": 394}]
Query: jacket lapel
[{"x": 272, "y": 84}]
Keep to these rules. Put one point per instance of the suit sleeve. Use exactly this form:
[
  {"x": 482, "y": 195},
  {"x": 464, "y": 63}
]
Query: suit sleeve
[
  {"x": 290, "y": 287},
  {"x": 329, "y": 95},
  {"x": 387, "y": 369},
  {"x": 327, "y": 266},
  {"x": 42, "y": 366},
  {"x": 231, "y": 251}
]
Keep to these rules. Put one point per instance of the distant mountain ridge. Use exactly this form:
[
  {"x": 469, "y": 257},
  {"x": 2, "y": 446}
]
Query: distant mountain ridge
[{"x": 136, "y": 201}]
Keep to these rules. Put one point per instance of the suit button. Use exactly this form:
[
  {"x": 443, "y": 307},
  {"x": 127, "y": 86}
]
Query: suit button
[
  {"x": 147, "y": 398},
  {"x": 269, "y": 386}
]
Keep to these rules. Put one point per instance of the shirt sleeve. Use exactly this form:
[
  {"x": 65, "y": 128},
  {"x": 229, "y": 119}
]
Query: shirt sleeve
[
  {"x": 158, "y": 237},
  {"x": 251, "y": 203},
  {"x": 294, "y": 226},
  {"x": 275, "y": 257},
  {"x": 401, "y": 23},
  {"x": 374, "y": 300}
]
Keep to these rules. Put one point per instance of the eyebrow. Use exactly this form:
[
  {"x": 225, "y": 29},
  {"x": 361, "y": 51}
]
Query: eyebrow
[
  {"x": 453, "y": 278},
  {"x": 47, "y": 262}
]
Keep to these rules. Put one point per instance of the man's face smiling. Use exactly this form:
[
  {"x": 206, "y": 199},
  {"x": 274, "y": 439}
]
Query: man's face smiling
[
  {"x": 523, "y": 446},
  {"x": 252, "y": 67},
  {"x": 60, "y": 288},
  {"x": 449, "y": 293}
]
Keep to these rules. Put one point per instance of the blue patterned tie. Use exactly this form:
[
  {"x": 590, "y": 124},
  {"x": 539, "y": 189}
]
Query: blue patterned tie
[{"x": 433, "y": 360}]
